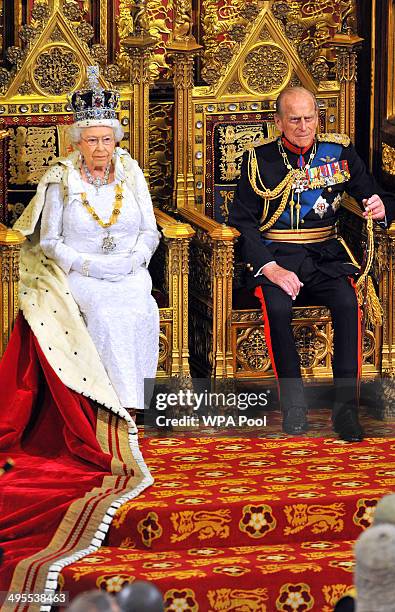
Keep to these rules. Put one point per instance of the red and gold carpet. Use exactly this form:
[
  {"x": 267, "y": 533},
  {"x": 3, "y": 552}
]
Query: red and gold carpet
[{"x": 243, "y": 524}]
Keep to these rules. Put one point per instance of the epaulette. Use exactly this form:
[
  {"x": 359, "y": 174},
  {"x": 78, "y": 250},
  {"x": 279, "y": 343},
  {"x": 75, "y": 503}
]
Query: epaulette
[{"x": 341, "y": 139}]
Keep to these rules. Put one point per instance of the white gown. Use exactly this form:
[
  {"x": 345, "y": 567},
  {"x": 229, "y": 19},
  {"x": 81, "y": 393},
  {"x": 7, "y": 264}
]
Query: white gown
[{"x": 121, "y": 316}]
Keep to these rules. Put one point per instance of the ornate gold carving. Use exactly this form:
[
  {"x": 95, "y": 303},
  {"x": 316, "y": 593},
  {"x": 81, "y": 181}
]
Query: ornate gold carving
[
  {"x": 139, "y": 67},
  {"x": 157, "y": 23},
  {"x": 234, "y": 87},
  {"x": 382, "y": 251},
  {"x": 251, "y": 349},
  {"x": 320, "y": 69},
  {"x": 57, "y": 35},
  {"x": 224, "y": 27},
  {"x": 99, "y": 52},
  {"x": 200, "y": 274},
  {"x": 265, "y": 35},
  {"x": 222, "y": 264},
  {"x": 28, "y": 33},
  {"x": 9, "y": 263},
  {"x": 85, "y": 31},
  {"x": 369, "y": 345},
  {"x": 125, "y": 19},
  {"x": 72, "y": 11},
  {"x": 274, "y": 69},
  {"x": 15, "y": 56},
  {"x": 139, "y": 17},
  {"x": 183, "y": 72},
  {"x": 246, "y": 316},
  {"x": 57, "y": 70},
  {"x": 182, "y": 30},
  {"x": 30, "y": 151},
  {"x": 388, "y": 159},
  {"x": 5, "y": 76},
  {"x": 346, "y": 65},
  {"x": 312, "y": 344},
  {"x": 112, "y": 73},
  {"x": 310, "y": 25},
  {"x": 164, "y": 347},
  {"x": 25, "y": 88},
  {"x": 179, "y": 256},
  {"x": 10, "y": 244},
  {"x": 311, "y": 313},
  {"x": 40, "y": 11}
]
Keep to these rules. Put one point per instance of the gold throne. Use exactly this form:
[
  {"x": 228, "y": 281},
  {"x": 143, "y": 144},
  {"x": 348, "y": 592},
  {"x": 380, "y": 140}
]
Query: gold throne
[
  {"x": 247, "y": 61},
  {"x": 34, "y": 114}
]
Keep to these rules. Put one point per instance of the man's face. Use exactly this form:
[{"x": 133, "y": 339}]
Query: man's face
[
  {"x": 299, "y": 118},
  {"x": 97, "y": 145}
]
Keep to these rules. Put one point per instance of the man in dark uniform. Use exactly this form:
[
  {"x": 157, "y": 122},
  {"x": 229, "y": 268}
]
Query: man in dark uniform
[{"x": 286, "y": 208}]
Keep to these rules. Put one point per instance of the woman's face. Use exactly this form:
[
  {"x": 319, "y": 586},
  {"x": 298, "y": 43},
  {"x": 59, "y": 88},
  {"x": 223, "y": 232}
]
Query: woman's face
[{"x": 97, "y": 146}]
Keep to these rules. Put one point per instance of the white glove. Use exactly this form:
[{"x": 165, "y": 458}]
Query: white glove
[{"x": 109, "y": 267}]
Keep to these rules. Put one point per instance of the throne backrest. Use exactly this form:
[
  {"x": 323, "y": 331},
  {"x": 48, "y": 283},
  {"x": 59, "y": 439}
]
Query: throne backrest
[
  {"x": 247, "y": 66},
  {"x": 37, "y": 135},
  {"x": 34, "y": 107},
  {"x": 228, "y": 135}
]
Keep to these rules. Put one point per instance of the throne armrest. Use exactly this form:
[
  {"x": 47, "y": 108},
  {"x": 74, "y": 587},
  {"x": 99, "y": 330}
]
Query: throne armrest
[
  {"x": 10, "y": 246},
  {"x": 211, "y": 279},
  {"x": 216, "y": 231},
  {"x": 169, "y": 271},
  {"x": 175, "y": 258}
]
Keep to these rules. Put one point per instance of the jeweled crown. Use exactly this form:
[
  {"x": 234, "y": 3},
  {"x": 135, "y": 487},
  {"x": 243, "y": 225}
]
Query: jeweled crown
[{"x": 94, "y": 102}]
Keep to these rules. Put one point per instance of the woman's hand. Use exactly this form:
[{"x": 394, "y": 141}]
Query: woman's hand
[{"x": 109, "y": 267}]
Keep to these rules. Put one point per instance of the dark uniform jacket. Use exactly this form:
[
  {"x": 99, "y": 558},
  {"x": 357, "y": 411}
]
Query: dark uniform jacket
[{"x": 328, "y": 257}]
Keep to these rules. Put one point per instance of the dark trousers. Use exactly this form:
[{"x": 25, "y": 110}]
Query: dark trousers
[{"x": 339, "y": 296}]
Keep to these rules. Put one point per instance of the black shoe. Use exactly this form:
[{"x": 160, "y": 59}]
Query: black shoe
[
  {"x": 295, "y": 422},
  {"x": 347, "y": 425}
]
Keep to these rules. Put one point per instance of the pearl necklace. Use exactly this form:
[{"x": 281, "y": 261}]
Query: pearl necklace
[{"x": 97, "y": 181}]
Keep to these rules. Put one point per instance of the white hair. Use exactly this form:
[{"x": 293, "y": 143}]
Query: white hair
[{"x": 75, "y": 130}]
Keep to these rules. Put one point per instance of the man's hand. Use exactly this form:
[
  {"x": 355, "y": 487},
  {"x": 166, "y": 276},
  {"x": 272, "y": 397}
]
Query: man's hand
[
  {"x": 376, "y": 206},
  {"x": 288, "y": 281}
]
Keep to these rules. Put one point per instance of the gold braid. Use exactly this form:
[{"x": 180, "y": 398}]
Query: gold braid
[
  {"x": 366, "y": 293},
  {"x": 283, "y": 188},
  {"x": 364, "y": 285}
]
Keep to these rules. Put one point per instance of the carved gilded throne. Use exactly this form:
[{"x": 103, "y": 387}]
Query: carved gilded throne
[
  {"x": 250, "y": 54},
  {"x": 34, "y": 113}
]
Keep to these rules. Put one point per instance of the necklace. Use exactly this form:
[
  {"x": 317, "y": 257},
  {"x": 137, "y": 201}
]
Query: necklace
[
  {"x": 296, "y": 188},
  {"x": 97, "y": 181},
  {"x": 285, "y": 156},
  {"x": 108, "y": 241}
]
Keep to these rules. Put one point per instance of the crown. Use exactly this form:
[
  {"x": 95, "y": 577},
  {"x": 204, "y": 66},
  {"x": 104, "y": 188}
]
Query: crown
[{"x": 94, "y": 102}]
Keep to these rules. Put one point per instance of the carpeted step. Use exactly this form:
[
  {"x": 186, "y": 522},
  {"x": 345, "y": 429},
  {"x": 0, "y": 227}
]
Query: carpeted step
[
  {"x": 302, "y": 576},
  {"x": 220, "y": 492}
]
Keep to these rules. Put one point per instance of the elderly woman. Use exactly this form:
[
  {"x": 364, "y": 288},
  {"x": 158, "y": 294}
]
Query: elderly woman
[
  {"x": 89, "y": 331},
  {"x": 98, "y": 227}
]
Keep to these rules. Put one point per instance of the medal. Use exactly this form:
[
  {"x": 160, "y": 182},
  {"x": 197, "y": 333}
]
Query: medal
[{"x": 320, "y": 207}]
